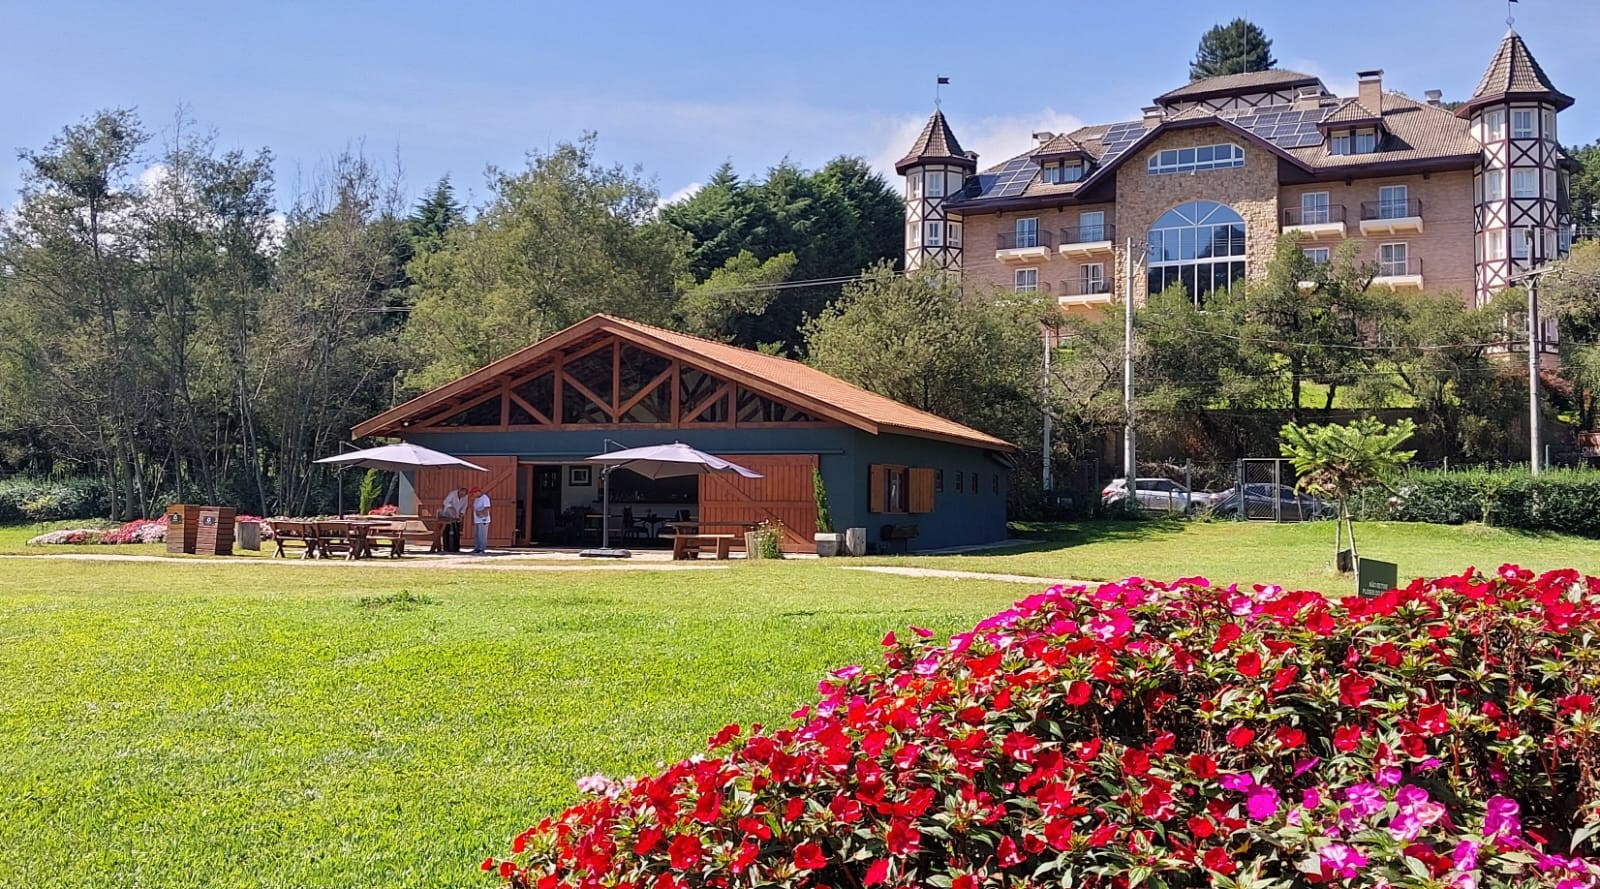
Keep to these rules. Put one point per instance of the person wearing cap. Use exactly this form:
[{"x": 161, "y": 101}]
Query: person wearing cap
[
  {"x": 480, "y": 521},
  {"x": 451, "y": 512}
]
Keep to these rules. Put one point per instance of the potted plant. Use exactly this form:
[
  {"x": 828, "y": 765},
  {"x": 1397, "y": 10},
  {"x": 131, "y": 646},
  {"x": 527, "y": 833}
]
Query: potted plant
[{"x": 827, "y": 539}]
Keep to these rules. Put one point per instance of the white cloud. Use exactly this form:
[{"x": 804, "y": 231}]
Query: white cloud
[
  {"x": 996, "y": 138},
  {"x": 684, "y": 193}
]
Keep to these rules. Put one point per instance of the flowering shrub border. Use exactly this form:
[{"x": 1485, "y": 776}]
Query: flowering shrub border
[
  {"x": 1142, "y": 733},
  {"x": 137, "y": 531}
]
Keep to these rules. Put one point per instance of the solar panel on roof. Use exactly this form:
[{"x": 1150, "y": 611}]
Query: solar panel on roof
[{"x": 1014, "y": 177}]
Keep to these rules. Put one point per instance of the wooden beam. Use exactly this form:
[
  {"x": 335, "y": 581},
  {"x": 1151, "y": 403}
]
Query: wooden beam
[
  {"x": 532, "y": 411},
  {"x": 640, "y": 395},
  {"x": 722, "y": 392}
]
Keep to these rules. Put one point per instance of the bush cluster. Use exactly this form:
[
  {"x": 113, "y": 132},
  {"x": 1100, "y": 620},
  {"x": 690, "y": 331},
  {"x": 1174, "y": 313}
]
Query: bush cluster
[
  {"x": 52, "y": 499},
  {"x": 1561, "y": 501},
  {"x": 1148, "y": 734}
]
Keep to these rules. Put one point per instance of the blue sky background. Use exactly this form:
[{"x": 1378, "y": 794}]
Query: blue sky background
[{"x": 678, "y": 88}]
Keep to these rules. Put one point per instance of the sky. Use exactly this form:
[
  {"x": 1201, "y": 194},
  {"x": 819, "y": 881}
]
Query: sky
[{"x": 434, "y": 89}]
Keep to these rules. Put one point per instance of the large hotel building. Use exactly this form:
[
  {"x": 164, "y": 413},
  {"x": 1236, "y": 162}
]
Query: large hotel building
[{"x": 1437, "y": 198}]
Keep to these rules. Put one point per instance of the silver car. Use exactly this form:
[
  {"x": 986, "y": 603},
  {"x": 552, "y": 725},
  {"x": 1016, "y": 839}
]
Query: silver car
[{"x": 1158, "y": 495}]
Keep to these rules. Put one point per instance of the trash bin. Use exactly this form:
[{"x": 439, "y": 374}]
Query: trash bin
[
  {"x": 183, "y": 524},
  {"x": 247, "y": 533},
  {"x": 214, "y": 537}
]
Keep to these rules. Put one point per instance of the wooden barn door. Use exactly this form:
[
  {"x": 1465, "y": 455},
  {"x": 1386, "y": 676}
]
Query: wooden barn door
[
  {"x": 784, "y": 494},
  {"x": 500, "y": 483}
]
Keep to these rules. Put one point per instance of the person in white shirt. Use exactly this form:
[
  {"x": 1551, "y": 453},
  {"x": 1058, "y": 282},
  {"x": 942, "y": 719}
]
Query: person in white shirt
[
  {"x": 454, "y": 508},
  {"x": 480, "y": 521}
]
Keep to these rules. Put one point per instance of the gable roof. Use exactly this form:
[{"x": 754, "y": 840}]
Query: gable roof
[
  {"x": 781, "y": 378},
  {"x": 1352, "y": 112},
  {"x": 937, "y": 143},
  {"x": 1229, "y": 84},
  {"x": 1514, "y": 73}
]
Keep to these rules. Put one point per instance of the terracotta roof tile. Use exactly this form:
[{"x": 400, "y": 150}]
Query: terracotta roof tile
[
  {"x": 1351, "y": 111},
  {"x": 936, "y": 143},
  {"x": 1415, "y": 131},
  {"x": 1276, "y": 78},
  {"x": 1061, "y": 144}
]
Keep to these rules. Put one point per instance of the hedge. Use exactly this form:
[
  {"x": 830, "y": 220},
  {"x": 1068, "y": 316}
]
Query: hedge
[
  {"x": 72, "y": 497},
  {"x": 1560, "y": 501}
]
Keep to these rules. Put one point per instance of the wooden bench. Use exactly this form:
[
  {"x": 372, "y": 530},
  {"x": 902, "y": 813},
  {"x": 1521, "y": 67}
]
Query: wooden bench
[
  {"x": 413, "y": 531},
  {"x": 286, "y": 534},
  {"x": 688, "y": 546}
]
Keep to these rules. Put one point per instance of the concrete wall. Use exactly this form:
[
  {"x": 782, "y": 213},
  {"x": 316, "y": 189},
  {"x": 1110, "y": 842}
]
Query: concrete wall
[{"x": 843, "y": 453}]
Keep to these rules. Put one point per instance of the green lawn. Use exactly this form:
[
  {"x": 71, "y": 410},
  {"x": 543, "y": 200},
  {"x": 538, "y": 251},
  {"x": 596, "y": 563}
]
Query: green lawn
[
  {"x": 1298, "y": 555},
  {"x": 218, "y": 723}
]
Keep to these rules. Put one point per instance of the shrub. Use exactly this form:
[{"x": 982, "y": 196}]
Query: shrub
[
  {"x": 52, "y": 499},
  {"x": 1149, "y": 734},
  {"x": 370, "y": 494},
  {"x": 1562, "y": 501},
  {"x": 136, "y": 531}
]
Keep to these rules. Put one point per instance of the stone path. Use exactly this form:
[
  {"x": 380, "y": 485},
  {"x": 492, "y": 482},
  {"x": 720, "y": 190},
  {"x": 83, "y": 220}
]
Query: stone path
[{"x": 960, "y": 575}]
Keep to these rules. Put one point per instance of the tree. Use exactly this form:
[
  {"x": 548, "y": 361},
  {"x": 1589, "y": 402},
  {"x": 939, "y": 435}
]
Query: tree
[
  {"x": 976, "y": 360},
  {"x": 1573, "y": 298},
  {"x": 1337, "y": 461},
  {"x": 732, "y": 303},
  {"x": 1235, "y": 48},
  {"x": 1585, "y": 185},
  {"x": 559, "y": 240},
  {"x": 433, "y": 217}
]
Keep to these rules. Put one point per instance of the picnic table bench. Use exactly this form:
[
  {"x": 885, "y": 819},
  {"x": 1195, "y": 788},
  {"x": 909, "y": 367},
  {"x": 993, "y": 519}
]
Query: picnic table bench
[{"x": 688, "y": 546}]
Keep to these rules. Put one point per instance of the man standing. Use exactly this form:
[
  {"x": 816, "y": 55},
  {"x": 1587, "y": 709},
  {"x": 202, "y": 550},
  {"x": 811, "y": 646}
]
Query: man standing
[
  {"x": 480, "y": 521},
  {"x": 454, "y": 508}
]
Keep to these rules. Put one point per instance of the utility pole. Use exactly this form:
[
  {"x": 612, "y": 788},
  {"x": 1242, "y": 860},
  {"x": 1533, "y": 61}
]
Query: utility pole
[
  {"x": 1531, "y": 278},
  {"x": 1130, "y": 466},
  {"x": 1048, "y": 347}
]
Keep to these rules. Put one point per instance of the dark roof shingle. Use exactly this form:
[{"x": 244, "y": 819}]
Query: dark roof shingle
[
  {"x": 937, "y": 143},
  {"x": 1275, "y": 78},
  {"x": 1514, "y": 72}
]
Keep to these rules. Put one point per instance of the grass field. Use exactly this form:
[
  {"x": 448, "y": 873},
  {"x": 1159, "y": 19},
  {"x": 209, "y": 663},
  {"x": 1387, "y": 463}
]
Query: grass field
[{"x": 217, "y": 723}]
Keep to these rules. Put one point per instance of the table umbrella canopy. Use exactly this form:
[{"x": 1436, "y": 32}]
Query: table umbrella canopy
[
  {"x": 670, "y": 461},
  {"x": 400, "y": 458}
]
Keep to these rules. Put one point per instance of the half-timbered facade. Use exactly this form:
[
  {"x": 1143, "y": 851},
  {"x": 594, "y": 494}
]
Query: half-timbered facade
[
  {"x": 608, "y": 383},
  {"x": 1199, "y": 188}
]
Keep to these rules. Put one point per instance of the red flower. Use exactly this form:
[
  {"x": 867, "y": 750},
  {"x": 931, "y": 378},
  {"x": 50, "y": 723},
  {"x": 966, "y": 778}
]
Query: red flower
[
  {"x": 745, "y": 857},
  {"x": 1019, "y": 746},
  {"x": 1241, "y": 736},
  {"x": 1201, "y": 828},
  {"x": 903, "y": 838},
  {"x": 1216, "y": 858},
  {"x": 1249, "y": 664},
  {"x": 649, "y": 838},
  {"x": 1346, "y": 737},
  {"x": 963, "y": 881},
  {"x": 808, "y": 856},
  {"x": 1203, "y": 766},
  {"x": 1289, "y": 736},
  {"x": 1007, "y": 852},
  {"x": 1354, "y": 690},
  {"x": 1078, "y": 693},
  {"x": 685, "y": 851},
  {"x": 877, "y": 872}
]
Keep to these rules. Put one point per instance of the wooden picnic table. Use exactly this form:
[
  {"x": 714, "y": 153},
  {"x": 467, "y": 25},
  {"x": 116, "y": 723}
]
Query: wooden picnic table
[{"x": 688, "y": 538}]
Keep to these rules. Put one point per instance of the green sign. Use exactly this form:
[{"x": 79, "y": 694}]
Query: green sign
[{"x": 1374, "y": 578}]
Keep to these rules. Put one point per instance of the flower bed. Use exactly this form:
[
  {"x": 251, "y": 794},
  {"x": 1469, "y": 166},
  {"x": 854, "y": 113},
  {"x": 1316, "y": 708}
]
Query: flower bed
[
  {"x": 1148, "y": 734},
  {"x": 137, "y": 531}
]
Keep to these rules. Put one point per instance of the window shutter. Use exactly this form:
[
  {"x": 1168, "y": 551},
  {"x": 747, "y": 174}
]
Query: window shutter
[
  {"x": 875, "y": 489},
  {"x": 921, "y": 490}
]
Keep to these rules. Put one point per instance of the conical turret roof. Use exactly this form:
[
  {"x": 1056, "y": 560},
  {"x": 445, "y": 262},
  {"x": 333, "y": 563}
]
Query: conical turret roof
[
  {"x": 1514, "y": 74},
  {"x": 937, "y": 143}
]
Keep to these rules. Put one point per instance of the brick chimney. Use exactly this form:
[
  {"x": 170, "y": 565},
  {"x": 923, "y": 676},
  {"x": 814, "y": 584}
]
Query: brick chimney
[
  {"x": 1308, "y": 97},
  {"x": 1435, "y": 97},
  {"x": 1153, "y": 112},
  {"x": 1369, "y": 89}
]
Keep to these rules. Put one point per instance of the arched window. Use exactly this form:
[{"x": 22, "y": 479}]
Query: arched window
[{"x": 1199, "y": 245}]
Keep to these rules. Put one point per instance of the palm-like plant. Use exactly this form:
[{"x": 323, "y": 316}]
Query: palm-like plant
[{"x": 1336, "y": 461}]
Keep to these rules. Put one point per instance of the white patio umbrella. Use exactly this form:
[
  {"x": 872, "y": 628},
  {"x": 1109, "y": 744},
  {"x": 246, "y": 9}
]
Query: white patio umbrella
[
  {"x": 655, "y": 461},
  {"x": 402, "y": 457}
]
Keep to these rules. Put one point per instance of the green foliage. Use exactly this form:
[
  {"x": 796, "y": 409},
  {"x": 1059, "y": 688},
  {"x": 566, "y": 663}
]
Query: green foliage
[
  {"x": 52, "y": 498},
  {"x": 370, "y": 493},
  {"x": 1585, "y": 184},
  {"x": 833, "y": 222},
  {"x": 918, "y": 340},
  {"x": 1573, "y": 298},
  {"x": 824, "y": 515},
  {"x": 559, "y": 240},
  {"x": 405, "y": 600},
  {"x": 1235, "y": 48},
  {"x": 1555, "y": 501},
  {"x": 732, "y": 304},
  {"x": 1337, "y": 461},
  {"x": 434, "y": 217}
]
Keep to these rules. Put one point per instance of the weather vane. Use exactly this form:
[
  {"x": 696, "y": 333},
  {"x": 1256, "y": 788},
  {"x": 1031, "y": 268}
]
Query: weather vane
[
  {"x": 942, "y": 81},
  {"x": 1511, "y": 20}
]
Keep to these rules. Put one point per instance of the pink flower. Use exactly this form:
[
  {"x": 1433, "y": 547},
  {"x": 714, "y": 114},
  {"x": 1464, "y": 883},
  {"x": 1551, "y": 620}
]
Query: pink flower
[
  {"x": 1414, "y": 813},
  {"x": 1465, "y": 855},
  {"x": 1261, "y": 803},
  {"x": 1500, "y": 819},
  {"x": 1341, "y": 860}
]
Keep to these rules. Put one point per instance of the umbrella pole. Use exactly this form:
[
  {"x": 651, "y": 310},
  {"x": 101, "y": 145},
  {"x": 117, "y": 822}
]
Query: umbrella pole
[{"x": 605, "y": 507}]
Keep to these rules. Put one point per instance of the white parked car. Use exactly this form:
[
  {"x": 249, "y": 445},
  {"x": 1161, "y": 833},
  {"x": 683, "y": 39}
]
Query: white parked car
[{"x": 1158, "y": 495}]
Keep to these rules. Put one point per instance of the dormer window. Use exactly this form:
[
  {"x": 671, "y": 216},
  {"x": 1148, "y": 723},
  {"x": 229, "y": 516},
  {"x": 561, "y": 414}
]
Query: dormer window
[
  {"x": 1362, "y": 141},
  {"x": 1366, "y": 141},
  {"x": 1059, "y": 174}
]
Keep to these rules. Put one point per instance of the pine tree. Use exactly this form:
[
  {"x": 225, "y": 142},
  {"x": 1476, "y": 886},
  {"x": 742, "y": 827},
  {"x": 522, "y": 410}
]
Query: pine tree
[
  {"x": 435, "y": 214},
  {"x": 1234, "y": 48}
]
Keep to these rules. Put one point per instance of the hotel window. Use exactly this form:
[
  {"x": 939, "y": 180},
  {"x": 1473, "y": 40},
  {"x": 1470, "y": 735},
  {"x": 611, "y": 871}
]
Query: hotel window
[
  {"x": 1189, "y": 160},
  {"x": 1199, "y": 245},
  {"x": 1314, "y": 208},
  {"x": 1549, "y": 119},
  {"x": 914, "y": 182},
  {"x": 1339, "y": 143},
  {"x": 1366, "y": 141},
  {"x": 936, "y": 185},
  {"x": 1550, "y": 185},
  {"x": 1027, "y": 232},
  {"x": 954, "y": 230},
  {"x": 1522, "y": 124},
  {"x": 1494, "y": 126},
  {"x": 1494, "y": 246},
  {"x": 1519, "y": 243},
  {"x": 1393, "y": 259},
  {"x": 1564, "y": 239},
  {"x": 1393, "y": 202},
  {"x": 1524, "y": 183},
  {"x": 1319, "y": 255},
  {"x": 1092, "y": 278},
  {"x": 1494, "y": 184},
  {"x": 1027, "y": 280},
  {"x": 1092, "y": 227},
  {"x": 914, "y": 233},
  {"x": 1057, "y": 174},
  {"x": 935, "y": 233}
]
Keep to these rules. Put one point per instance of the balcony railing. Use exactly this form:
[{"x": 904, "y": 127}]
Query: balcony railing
[
  {"x": 1313, "y": 215},
  {"x": 1078, "y": 287},
  {"x": 1023, "y": 240},
  {"x": 1088, "y": 234},
  {"x": 1391, "y": 210},
  {"x": 1400, "y": 268}
]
